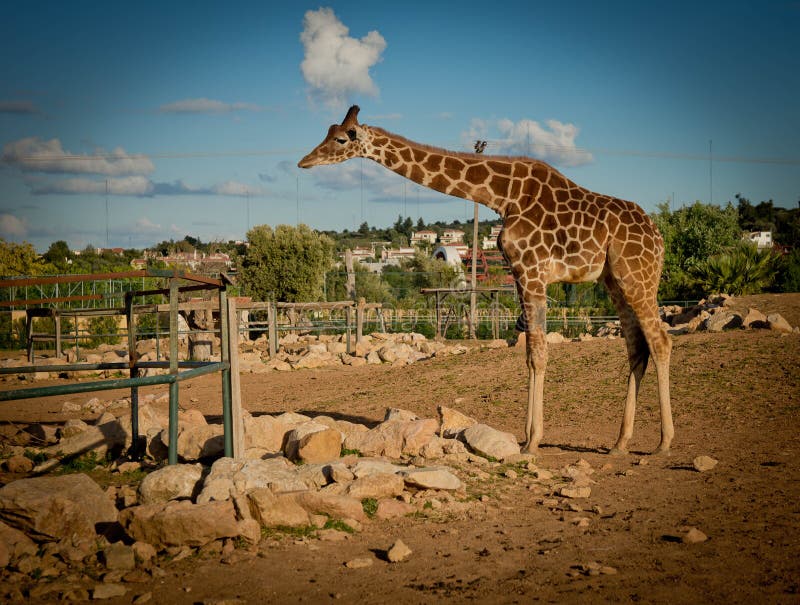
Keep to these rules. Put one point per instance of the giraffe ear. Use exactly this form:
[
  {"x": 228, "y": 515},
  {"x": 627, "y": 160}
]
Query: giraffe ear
[
  {"x": 352, "y": 134},
  {"x": 351, "y": 119}
]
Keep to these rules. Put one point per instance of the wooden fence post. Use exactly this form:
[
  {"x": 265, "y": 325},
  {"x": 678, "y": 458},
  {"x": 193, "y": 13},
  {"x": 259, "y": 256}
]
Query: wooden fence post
[{"x": 237, "y": 421}]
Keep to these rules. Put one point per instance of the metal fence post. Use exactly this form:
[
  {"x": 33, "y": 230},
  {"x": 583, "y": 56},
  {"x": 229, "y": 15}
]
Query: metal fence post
[
  {"x": 236, "y": 426},
  {"x": 173, "y": 369}
]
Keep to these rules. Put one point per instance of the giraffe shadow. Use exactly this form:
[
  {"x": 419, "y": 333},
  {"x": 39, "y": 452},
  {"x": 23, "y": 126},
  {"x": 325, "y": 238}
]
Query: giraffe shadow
[{"x": 581, "y": 449}]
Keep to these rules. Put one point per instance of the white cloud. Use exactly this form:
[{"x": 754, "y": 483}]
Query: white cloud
[
  {"x": 145, "y": 225},
  {"x": 335, "y": 65},
  {"x": 236, "y": 189},
  {"x": 129, "y": 185},
  {"x": 554, "y": 142},
  {"x": 36, "y": 155},
  {"x": 203, "y": 105},
  {"x": 11, "y": 227}
]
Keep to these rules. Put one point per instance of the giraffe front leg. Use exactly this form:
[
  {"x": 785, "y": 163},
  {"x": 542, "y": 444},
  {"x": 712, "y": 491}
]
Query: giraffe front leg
[{"x": 536, "y": 358}]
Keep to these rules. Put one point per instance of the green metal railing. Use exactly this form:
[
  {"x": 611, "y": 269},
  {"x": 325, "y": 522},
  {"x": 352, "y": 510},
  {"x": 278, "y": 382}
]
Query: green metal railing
[{"x": 134, "y": 381}]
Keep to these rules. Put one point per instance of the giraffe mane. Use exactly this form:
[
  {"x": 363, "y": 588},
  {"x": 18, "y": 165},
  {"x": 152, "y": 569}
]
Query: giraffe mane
[{"x": 464, "y": 155}]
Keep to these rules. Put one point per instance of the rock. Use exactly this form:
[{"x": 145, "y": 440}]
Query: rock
[
  {"x": 693, "y": 535},
  {"x": 371, "y": 466},
  {"x": 51, "y": 508},
  {"x": 575, "y": 492},
  {"x": 179, "y": 522},
  {"x": 143, "y": 552},
  {"x": 70, "y": 407},
  {"x": 72, "y": 427},
  {"x": 373, "y": 358},
  {"x": 778, "y": 324},
  {"x": 393, "y": 438},
  {"x": 336, "y": 506},
  {"x": 103, "y": 438},
  {"x": 313, "y": 442},
  {"x": 271, "y": 509},
  {"x": 119, "y": 556},
  {"x": 554, "y": 338},
  {"x": 278, "y": 474},
  {"x": 489, "y": 442},
  {"x": 108, "y": 591},
  {"x": 398, "y": 552},
  {"x": 704, "y": 463},
  {"x": 432, "y": 478},
  {"x": 196, "y": 441},
  {"x": 43, "y": 434},
  {"x": 339, "y": 473},
  {"x": 264, "y": 431},
  {"x": 171, "y": 483},
  {"x": 391, "y": 508},
  {"x": 15, "y": 544},
  {"x": 755, "y": 319},
  {"x": 382, "y": 485},
  {"x": 399, "y": 414},
  {"x": 453, "y": 422},
  {"x": 19, "y": 464},
  {"x": 359, "y": 563},
  {"x": 724, "y": 320}
]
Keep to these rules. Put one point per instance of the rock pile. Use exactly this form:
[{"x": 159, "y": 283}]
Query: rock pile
[
  {"x": 56, "y": 526},
  {"x": 719, "y": 313},
  {"x": 295, "y": 352}
]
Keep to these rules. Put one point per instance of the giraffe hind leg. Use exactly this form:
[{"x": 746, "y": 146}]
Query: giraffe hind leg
[{"x": 644, "y": 308}]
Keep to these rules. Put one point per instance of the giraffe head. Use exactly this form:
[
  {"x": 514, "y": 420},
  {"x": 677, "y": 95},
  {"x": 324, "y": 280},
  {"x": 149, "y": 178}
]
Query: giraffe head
[{"x": 344, "y": 141}]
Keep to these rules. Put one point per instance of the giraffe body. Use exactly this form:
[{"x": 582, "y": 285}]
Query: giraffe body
[{"x": 553, "y": 231}]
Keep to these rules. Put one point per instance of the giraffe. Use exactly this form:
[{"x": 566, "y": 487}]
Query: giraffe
[{"x": 553, "y": 231}]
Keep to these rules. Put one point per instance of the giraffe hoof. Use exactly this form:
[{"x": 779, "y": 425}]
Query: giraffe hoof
[
  {"x": 615, "y": 451},
  {"x": 530, "y": 449},
  {"x": 661, "y": 451}
]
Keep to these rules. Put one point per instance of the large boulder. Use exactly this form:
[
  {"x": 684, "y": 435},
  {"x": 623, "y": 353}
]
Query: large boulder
[
  {"x": 724, "y": 320},
  {"x": 179, "y": 522},
  {"x": 453, "y": 422},
  {"x": 778, "y": 323},
  {"x": 379, "y": 485},
  {"x": 173, "y": 482},
  {"x": 489, "y": 442},
  {"x": 272, "y": 509},
  {"x": 242, "y": 476},
  {"x": 394, "y": 438},
  {"x": 52, "y": 508},
  {"x": 432, "y": 478},
  {"x": 313, "y": 442}
]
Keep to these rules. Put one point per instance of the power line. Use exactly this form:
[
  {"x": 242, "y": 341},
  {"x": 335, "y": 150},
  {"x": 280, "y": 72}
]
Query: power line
[{"x": 497, "y": 144}]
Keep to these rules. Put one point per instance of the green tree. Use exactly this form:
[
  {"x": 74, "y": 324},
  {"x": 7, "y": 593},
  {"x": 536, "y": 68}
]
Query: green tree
[
  {"x": 691, "y": 235},
  {"x": 19, "y": 259},
  {"x": 286, "y": 264},
  {"x": 743, "y": 269}
]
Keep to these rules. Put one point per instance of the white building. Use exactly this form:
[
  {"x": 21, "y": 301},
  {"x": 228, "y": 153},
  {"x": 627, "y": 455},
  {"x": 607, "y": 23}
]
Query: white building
[
  {"x": 762, "y": 239},
  {"x": 423, "y": 237},
  {"x": 490, "y": 243},
  {"x": 452, "y": 236},
  {"x": 397, "y": 253}
]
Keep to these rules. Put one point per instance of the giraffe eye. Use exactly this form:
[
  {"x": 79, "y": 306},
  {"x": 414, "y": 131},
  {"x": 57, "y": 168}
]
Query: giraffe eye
[{"x": 341, "y": 141}]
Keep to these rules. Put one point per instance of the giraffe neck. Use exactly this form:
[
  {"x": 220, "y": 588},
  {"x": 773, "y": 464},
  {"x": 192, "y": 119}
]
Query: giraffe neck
[{"x": 463, "y": 175}]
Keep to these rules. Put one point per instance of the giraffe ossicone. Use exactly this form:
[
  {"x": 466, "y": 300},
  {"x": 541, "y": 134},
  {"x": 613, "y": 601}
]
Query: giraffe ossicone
[{"x": 553, "y": 231}]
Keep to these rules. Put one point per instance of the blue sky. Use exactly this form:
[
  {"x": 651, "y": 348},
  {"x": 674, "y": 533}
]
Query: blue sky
[{"x": 189, "y": 117}]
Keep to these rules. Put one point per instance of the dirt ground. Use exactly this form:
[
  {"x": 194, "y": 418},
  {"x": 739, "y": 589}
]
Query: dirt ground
[{"x": 736, "y": 398}]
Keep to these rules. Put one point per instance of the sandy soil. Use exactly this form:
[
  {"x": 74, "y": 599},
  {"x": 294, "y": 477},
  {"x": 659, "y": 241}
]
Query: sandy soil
[{"x": 736, "y": 397}]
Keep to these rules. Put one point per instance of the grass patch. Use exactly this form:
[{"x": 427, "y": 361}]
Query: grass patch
[
  {"x": 338, "y": 525},
  {"x": 81, "y": 464},
  {"x": 370, "y": 506},
  {"x": 36, "y": 457},
  {"x": 350, "y": 452}
]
